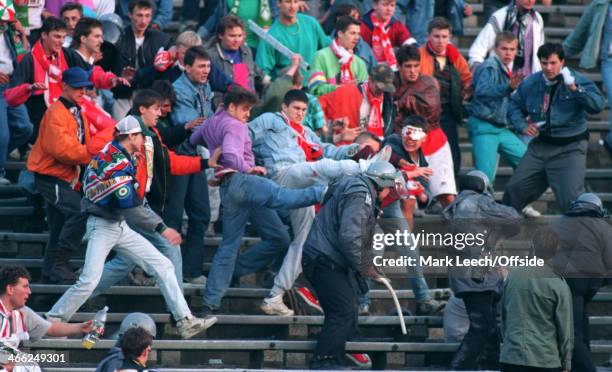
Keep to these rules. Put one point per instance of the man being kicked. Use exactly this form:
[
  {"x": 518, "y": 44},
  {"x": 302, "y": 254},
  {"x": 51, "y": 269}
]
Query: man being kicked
[
  {"x": 244, "y": 195},
  {"x": 418, "y": 94},
  {"x": 110, "y": 196},
  {"x": 397, "y": 213}
]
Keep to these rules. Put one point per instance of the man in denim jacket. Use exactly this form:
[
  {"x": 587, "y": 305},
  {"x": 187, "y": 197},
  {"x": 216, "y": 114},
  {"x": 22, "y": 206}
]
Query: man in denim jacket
[
  {"x": 488, "y": 120},
  {"x": 552, "y": 106}
]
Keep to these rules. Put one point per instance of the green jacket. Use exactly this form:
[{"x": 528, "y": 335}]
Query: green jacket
[
  {"x": 537, "y": 323},
  {"x": 326, "y": 70},
  {"x": 586, "y": 37}
]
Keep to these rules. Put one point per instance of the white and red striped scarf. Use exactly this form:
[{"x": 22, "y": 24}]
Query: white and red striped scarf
[
  {"x": 345, "y": 57},
  {"x": 375, "y": 121},
  {"x": 381, "y": 43},
  {"x": 18, "y": 328},
  {"x": 48, "y": 70}
]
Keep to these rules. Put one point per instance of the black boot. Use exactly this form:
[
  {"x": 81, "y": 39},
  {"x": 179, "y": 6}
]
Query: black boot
[
  {"x": 326, "y": 362},
  {"x": 61, "y": 272}
]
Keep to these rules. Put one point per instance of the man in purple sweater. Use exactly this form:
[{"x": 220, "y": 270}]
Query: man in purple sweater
[{"x": 244, "y": 195}]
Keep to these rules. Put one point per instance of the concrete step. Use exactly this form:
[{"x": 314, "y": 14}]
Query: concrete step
[
  {"x": 274, "y": 352},
  {"x": 311, "y": 320}
]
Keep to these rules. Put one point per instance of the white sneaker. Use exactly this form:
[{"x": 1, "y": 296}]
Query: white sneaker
[
  {"x": 275, "y": 306},
  {"x": 529, "y": 211},
  {"x": 190, "y": 326},
  {"x": 384, "y": 154},
  {"x": 198, "y": 280}
]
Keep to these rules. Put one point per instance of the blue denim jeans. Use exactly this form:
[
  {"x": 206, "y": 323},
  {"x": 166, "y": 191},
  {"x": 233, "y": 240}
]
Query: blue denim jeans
[
  {"x": 418, "y": 15},
  {"x": 121, "y": 265},
  {"x": 393, "y": 220},
  {"x": 191, "y": 10},
  {"x": 606, "y": 73},
  {"x": 252, "y": 198},
  {"x": 191, "y": 194},
  {"x": 105, "y": 235},
  {"x": 15, "y": 128}
]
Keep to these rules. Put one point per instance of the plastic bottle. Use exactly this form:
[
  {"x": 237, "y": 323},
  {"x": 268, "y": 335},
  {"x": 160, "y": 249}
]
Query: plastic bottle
[{"x": 96, "y": 330}]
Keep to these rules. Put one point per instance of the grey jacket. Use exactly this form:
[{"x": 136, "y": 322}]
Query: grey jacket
[
  {"x": 476, "y": 213},
  {"x": 219, "y": 59},
  {"x": 343, "y": 229}
]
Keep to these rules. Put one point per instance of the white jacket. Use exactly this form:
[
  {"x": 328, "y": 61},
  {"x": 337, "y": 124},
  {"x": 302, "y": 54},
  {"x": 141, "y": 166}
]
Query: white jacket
[{"x": 485, "y": 41}]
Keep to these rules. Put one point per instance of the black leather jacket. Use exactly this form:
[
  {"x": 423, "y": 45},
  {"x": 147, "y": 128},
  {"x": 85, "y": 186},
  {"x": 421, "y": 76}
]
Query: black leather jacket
[{"x": 126, "y": 56}]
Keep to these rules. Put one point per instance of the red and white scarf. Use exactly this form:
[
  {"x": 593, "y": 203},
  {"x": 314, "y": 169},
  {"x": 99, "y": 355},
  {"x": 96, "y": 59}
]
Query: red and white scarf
[
  {"x": 345, "y": 57},
  {"x": 375, "y": 121},
  {"x": 18, "y": 328},
  {"x": 48, "y": 70},
  {"x": 312, "y": 150},
  {"x": 381, "y": 44}
]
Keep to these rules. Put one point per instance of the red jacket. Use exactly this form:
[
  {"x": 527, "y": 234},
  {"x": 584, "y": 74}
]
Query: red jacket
[
  {"x": 19, "y": 94},
  {"x": 398, "y": 33}
]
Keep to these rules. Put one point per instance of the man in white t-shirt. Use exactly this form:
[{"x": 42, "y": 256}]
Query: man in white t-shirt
[{"x": 138, "y": 47}]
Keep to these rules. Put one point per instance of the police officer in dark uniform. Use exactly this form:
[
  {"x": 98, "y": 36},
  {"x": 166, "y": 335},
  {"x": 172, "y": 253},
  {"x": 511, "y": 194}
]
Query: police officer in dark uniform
[
  {"x": 585, "y": 261},
  {"x": 337, "y": 254}
]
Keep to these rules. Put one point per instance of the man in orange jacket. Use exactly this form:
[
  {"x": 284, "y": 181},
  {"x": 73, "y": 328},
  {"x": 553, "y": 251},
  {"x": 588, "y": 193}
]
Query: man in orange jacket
[
  {"x": 56, "y": 160},
  {"x": 443, "y": 61}
]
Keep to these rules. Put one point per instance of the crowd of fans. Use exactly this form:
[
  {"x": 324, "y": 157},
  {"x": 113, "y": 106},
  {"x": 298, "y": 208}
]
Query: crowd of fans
[{"x": 140, "y": 141}]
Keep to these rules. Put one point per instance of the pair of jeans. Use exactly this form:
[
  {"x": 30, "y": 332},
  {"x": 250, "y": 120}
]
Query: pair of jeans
[
  {"x": 105, "y": 235},
  {"x": 337, "y": 295},
  {"x": 419, "y": 14},
  {"x": 583, "y": 291},
  {"x": 487, "y": 144},
  {"x": 298, "y": 176},
  {"x": 606, "y": 74},
  {"x": 121, "y": 265},
  {"x": 480, "y": 346},
  {"x": 15, "y": 128},
  {"x": 251, "y": 198},
  {"x": 562, "y": 167},
  {"x": 392, "y": 221},
  {"x": 191, "y": 10},
  {"x": 450, "y": 127},
  {"x": 190, "y": 193},
  {"x": 64, "y": 217},
  {"x": 491, "y": 6}
]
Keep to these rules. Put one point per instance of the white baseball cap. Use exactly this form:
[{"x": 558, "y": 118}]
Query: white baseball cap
[{"x": 128, "y": 125}]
